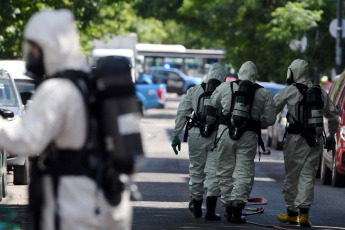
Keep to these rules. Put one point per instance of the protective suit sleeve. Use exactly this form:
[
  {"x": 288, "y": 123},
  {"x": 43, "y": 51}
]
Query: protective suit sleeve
[
  {"x": 280, "y": 99},
  {"x": 268, "y": 117},
  {"x": 40, "y": 124},
  {"x": 331, "y": 113},
  {"x": 183, "y": 111}
]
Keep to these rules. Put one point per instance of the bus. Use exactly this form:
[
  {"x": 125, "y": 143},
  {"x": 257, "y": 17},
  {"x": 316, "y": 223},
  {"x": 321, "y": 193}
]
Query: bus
[{"x": 192, "y": 62}]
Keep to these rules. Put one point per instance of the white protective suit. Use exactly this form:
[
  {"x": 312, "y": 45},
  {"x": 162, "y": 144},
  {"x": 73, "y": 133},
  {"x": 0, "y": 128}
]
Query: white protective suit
[
  {"x": 202, "y": 168},
  {"x": 236, "y": 157},
  {"x": 58, "y": 114},
  {"x": 301, "y": 161}
]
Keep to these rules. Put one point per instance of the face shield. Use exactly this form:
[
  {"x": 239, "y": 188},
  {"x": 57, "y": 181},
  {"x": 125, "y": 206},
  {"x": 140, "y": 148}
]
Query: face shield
[{"x": 33, "y": 57}]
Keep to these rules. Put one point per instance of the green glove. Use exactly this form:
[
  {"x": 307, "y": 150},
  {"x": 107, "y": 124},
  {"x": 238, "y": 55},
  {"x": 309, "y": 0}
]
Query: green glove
[
  {"x": 329, "y": 143},
  {"x": 176, "y": 142}
]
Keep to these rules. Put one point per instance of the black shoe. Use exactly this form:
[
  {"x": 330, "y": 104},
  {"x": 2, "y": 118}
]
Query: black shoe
[
  {"x": 195, "y": 207},
  {"x": 228, "y": 212},
  {"x": 236, "y": 217},
  {"x": 211, "y": 203}
]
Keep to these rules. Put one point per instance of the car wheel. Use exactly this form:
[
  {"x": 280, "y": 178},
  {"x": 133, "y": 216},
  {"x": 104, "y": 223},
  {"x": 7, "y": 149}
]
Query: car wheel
[
  {"x": 268, "y": 141},
  {"x": 4, "y": 175},
  {"x": 338, "y": 180},
  {"x": 274, "y": 144},
  {"x": 280, "y": 145},
  {"x": 318, "y": 172},
  {"x": 141, "y": 107},
  {"x": 21, "y": 174},
  {"x": 326, "y": 174}
]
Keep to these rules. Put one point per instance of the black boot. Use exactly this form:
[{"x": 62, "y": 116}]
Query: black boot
[
  {"x": 195, "y": 207},
  {"x": 303, "y": 220},
  {"x": 228, "y": 212},
  {"x": 237, "y": 207},
  {"x": 211, "y": 203}
]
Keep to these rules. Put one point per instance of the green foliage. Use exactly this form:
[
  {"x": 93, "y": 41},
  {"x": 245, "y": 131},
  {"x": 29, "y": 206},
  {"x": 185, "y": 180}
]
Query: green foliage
[
  {"x": 255, "y": 30},
  {"x": 292, "y": 21},
  {"x": 94, "y": 18}
]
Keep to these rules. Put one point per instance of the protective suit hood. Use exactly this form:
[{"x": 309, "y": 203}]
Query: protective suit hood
[
  {"x": 248, "y": 71},
  {"x": 300, "y": 71},
  {"x": 217, "y": 72},
  {"x": 54, "y": 31}
]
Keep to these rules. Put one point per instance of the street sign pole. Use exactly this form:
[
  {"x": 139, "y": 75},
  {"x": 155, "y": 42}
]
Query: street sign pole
[{"x": 338, "y": 48}]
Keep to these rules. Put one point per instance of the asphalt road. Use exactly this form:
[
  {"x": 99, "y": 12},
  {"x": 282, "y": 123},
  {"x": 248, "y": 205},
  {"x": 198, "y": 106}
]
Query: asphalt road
[{"x": 163, "y": 183}]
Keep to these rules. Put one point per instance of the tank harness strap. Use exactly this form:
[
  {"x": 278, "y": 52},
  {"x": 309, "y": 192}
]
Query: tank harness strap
[
  {"x": 187, "y": 128},
  {"x": 203, "y": 86},
  {"x": 193, "y": 121}
]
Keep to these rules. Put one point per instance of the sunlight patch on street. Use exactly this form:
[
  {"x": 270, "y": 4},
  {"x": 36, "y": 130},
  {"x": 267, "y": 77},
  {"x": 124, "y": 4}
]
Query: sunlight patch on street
[
  {"x": 264, "y": 179},
  {"x": 161, "y": 177}
]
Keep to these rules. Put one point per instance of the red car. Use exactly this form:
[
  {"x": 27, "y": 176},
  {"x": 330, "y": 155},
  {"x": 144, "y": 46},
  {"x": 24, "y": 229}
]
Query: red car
[{"x": 333, "y": 162}]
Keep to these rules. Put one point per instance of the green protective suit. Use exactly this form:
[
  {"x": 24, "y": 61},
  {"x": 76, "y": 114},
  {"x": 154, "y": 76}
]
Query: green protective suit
[
  {"x": 202, "y": 168},
  {"x": 301, "y": 161},
  {"x": 236, "y": 157}
]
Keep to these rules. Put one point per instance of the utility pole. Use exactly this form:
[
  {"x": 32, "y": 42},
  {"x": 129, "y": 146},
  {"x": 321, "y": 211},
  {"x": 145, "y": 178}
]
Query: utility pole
[{"x": 338, "y": 48}]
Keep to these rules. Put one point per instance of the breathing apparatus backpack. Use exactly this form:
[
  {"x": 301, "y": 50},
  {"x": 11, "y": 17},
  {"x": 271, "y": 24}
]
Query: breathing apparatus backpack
[
  {"x": 113, "y": 144},
  {"x": 239, "y": 120},
  {"x": 206, "y": 116},
  {"x": 310, "y": 117}
]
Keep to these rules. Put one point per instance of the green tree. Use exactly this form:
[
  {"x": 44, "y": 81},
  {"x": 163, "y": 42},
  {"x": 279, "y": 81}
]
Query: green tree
[
  {"x": 94, "y": 19},
  {"x": 254, "y": 30}
]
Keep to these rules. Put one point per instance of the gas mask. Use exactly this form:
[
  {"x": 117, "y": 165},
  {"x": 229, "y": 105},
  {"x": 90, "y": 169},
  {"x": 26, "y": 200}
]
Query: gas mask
[
  {"x": 33, "y": 56},
  {"x": 289, "y": 79}
]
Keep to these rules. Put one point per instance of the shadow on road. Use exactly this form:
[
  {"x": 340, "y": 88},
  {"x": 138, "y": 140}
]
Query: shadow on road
[
  {"x": 159, "y": 116},
  {"x": 166, "y": 165}
]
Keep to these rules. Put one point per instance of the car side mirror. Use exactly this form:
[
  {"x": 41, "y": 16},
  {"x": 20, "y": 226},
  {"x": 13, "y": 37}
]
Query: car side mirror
[{"x": 6, "y": 113}]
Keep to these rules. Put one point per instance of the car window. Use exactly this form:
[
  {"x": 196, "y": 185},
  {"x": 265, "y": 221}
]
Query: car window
[
  {"x": 174, "y": 76},
  {"x": 7, "y": 95},
  {"x": 25, "y": 86}
]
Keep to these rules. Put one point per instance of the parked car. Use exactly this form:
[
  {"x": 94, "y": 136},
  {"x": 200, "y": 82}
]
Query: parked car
[
  {"x": 176, "y": 81},
  {"x": 275, "y": 133},
  {"x": 150, "y": 96},
  {"x": 23, "y": 88},
  {"x": 11, "y": 103},
  {"x": 332, "y": 164}
]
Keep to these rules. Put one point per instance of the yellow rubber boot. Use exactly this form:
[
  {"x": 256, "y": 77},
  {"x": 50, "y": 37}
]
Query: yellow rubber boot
[
  {"x": 290, "y": 216},
  {"x": 304, "y": 222}
]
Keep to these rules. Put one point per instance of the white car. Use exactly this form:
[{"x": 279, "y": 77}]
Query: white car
[{"x": 20, "y": 90}]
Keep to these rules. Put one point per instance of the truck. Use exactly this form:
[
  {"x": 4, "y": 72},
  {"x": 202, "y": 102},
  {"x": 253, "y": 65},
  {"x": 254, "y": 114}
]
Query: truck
[
  {"x": 124, "y": 46},
  {"x": 176, "y": 81}
]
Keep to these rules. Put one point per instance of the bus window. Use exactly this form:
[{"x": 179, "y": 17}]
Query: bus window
[
  {"x": 174, "y": 62},
  {"x": 193, "y": 67}
]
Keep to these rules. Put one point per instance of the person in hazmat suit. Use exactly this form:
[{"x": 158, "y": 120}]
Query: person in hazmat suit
[
  {"x": 251, "y": 105},
  {"x": 202, "y": 168},
  {"x": 302, "y": 150},
  {"x": 58, "y": 115}
]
